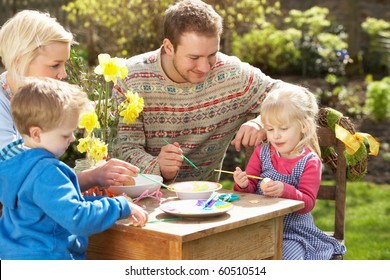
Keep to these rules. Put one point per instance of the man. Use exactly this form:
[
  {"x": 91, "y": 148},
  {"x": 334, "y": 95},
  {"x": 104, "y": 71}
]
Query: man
[{"x": 196, "y": 98}]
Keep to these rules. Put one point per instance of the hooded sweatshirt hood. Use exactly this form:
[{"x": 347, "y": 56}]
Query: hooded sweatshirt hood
[{"x": 19, "y": 170}]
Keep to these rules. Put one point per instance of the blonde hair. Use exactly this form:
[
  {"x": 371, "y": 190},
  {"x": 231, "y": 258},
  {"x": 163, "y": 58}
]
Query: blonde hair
[
  {"x": 22, "y": 36},
  {"x": 46, "y": 103},
  {"x": 293, "y": 103}
]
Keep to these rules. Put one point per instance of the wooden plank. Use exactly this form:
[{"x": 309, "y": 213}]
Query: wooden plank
[
  {"x": 119, "y": 245},
  {"x": 252, "y": 242},
  {"x": 257, "y": 241},
  {"x": 327, "y": 192},
  {"x": 326, "y": 137}
]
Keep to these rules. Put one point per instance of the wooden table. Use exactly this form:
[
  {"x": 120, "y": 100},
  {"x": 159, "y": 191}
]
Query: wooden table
[{"x": 252, "y": 229}]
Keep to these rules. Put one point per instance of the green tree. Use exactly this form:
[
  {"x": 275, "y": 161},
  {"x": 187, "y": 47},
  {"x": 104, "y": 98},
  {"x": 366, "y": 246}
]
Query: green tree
[
  {"x": 242, "y": 16},
  {"x": 307, "y": 41},
  {"x": 129, "y": 27},
  {"x": 117, "y": 27}
]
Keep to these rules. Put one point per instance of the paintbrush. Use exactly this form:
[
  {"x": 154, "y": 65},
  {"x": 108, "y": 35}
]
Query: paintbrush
[
  {"x": 230, "y": 172},
  {"x": 153, "y": 180},
  {"x": 183, "y": 156},
  {"x": 210, "y": 200}
]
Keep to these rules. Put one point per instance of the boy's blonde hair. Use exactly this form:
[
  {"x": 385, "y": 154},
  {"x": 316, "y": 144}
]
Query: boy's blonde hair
[
  {"x": 293, "y": 103},
  {"x": 46, "y": 103},
  {"x": 22, "y": 36}
]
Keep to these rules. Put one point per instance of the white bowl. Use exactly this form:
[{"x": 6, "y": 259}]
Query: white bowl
[
  {"x": 141, "y": 184},
  {"x": 194, "y": 189}
]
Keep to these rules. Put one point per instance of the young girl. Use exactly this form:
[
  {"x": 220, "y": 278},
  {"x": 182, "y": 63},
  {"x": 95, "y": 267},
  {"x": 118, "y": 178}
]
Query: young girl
[
  {"x": 290, "y": 165},
  {"x": 45, "y": 216},
  {"x": 34, "y": 44}
]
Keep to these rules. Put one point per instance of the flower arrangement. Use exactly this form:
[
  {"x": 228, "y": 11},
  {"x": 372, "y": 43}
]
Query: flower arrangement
[{"x": 101, "y": 124}]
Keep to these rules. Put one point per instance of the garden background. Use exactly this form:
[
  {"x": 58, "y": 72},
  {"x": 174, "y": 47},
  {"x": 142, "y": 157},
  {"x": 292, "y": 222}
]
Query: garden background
[{"x": 340, "y": 50}]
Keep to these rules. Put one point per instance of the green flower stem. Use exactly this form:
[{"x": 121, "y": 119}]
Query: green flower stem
[{"x": 105, "y": 119}]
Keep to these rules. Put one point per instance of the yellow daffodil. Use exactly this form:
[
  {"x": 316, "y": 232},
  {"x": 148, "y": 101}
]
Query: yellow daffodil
[
  {"x": 83, "y": 145},
  {"x": 131, "y": 107},
  {"x": 98, "y": 150},
  {"x": 111, "y": 68},
  {"x": 107, "y": 113},
  {"x": 89, "y": 121}
]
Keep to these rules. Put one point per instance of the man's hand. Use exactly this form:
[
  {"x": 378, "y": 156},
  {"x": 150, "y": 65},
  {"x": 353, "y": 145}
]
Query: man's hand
[
  {"x": 170, "y": 160},
  {"x": 249, "y": 134}
]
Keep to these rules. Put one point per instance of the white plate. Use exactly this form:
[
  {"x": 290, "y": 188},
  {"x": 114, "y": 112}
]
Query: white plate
[
  {"x": 141, "y": 184},
  {"x": 193, "y": 208}
]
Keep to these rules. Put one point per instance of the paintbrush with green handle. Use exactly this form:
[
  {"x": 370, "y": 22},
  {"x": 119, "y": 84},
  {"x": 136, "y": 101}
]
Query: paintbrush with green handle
[{"x": 183, "y": 156}]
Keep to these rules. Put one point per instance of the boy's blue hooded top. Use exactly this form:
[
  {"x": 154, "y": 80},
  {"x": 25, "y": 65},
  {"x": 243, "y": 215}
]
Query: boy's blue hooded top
[{"x": 45, "y": 215}]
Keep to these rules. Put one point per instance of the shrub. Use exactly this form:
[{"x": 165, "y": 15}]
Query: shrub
[
  {"x": 323, "y": 46},
  {"x": 271, "y": 49},
  {"x": 377, "y": 105},
  {"x": 377, "y": 52}
]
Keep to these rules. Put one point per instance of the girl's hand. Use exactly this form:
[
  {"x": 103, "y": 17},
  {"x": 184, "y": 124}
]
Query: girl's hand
[
  {"x": 138, "y": 216},
  {"x": 272, "y": 188},
  {"x": 240, "y": 178}
]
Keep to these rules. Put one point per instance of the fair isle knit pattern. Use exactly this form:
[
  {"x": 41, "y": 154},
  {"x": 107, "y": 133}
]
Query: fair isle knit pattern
[{"x": 202, "y": 118}]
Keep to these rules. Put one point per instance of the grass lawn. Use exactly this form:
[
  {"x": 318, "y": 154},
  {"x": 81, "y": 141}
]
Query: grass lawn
[{"x": 367, "y": 229}]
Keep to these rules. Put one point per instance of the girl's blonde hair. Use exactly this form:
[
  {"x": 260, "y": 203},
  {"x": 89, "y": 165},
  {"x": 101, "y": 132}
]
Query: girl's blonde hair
[
  {"x": 22, "y": 36},
  {"x": 293, "y": 103}
]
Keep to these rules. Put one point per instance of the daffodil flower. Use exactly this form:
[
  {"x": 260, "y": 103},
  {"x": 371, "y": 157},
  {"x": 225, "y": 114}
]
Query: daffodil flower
[
  {"x": 89, "y": 121},
  {"x": 107, "y": 113},
  {"x": 131, "y": 107},
  {"x": 111, "y": 68},
  {"x": 98, "y": 150},
  {"x": 83, "y": 145}
]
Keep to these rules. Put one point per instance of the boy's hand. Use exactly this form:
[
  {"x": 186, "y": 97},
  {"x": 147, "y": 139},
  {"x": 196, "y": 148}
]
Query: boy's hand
[{"x": 138, "y": 216}]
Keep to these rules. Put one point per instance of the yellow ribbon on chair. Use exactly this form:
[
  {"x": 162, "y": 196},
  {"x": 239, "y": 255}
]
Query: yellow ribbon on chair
[{"x": 353, "y": 141}]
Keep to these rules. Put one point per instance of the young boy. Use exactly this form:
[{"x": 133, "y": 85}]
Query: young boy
[{"x": 45, "y": 215}]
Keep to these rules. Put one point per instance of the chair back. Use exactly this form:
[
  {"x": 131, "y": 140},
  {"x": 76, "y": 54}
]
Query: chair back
[{"x": 337, "y": 191}]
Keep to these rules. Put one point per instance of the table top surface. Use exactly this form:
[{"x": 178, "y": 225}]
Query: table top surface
[{"x": 248, "y": 209}]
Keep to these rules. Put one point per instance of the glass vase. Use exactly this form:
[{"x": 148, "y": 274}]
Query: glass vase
[
  {"x": 111, "y": 138},
  {"x": 82, "y": 164}
]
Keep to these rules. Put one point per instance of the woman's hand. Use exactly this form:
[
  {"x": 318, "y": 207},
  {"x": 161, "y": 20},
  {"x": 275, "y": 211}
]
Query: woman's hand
[{"x": 114, "y": 172}]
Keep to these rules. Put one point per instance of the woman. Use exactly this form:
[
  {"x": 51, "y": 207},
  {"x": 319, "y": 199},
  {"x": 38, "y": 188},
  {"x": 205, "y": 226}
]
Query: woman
[{"x": 34, "y": 44}]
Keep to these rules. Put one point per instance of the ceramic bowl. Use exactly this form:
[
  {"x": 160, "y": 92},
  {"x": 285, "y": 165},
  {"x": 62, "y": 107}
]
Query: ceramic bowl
[
  {"x": 194, "y": 189},
  {"x": 141, "y": 184}
]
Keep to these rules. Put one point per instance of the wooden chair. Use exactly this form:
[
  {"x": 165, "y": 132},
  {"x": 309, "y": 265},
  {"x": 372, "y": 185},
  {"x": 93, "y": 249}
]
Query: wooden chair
[{"x": 335, "y": 192}]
